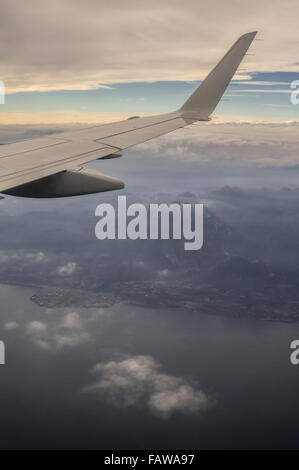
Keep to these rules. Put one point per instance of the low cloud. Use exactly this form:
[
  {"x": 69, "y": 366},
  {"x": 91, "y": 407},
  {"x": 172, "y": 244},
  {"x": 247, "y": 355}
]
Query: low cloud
[
  {"x": 163, "y": 274},
  {"x": 22, "y": 256},
  {"x": 67, "y": 269},
  {"x": 10, "y": 325},
  {"x": 66, "y": 333},
  {"x": 138, "y": 381},
  {"x": 36, "y": 327},
  {"x": 72, "y": 320}
]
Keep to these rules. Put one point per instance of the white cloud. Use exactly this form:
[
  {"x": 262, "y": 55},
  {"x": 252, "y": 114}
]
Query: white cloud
[
  {"x": 72, "y": 320},
  {"x": 163, "y": 274},
  {"x": 10, "y": 325},
  {"x": 31, "y": 257},
  {"x": 67, "y": 269},
  {"x": 67, "y": 333},
  {"x": 260, "y": 82},
  {"x": 263, "y": 90},
  {"x": 71, "y": 339},
  {"x": 137, "y": 381},
  {"x": 36, "y": 327},
  {"x": 36, "y": 257},
  {"x": 182, "y": 397}
]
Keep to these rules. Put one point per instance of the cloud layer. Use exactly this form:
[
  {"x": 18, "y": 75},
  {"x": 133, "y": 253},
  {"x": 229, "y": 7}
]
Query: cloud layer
[
  {"x": 247, "y": 144},
  {"x": 69, "y": 44}
]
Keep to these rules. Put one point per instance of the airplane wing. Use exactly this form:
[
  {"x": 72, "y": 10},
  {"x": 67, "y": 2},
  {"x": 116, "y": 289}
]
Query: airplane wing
[{"x": 50, "y": 166}]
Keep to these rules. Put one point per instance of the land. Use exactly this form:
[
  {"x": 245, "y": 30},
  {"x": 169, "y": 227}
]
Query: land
[
  {"x": 247, "y": 268},
  {"x": 179, "y": 295},
  {"x": 52, "y": 297}
]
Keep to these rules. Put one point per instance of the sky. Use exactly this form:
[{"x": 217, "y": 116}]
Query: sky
[{"x": 98, "y": 61}]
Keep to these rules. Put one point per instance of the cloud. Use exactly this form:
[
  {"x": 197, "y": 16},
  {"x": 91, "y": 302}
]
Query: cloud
[
  {"x": 10, "y": 325},
  {"x": 36, "y": 257},
  {"x": 251, "y": 144},
  {"x": 68, "y": 44},
  {"x": 72, "y": 320},
  {"x": 138, "y": 381},
  {"x": 163, "y": 274},
  {"x": 71, "y": 340},
  {"x": 22, "y": 256},
  {"x": 67, "y": 269},
  {"x": 180, "y": 398},
  {"x": 36, "y": 327},
  {"x": 263, "y": 90},
  {"x": 260, "y": 82},
  {"x": 67, "y": 333}
]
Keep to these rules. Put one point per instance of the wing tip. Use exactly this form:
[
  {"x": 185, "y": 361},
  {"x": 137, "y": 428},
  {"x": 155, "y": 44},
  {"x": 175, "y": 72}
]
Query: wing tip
[
  {"x": 251, "y": 35},
  {"x": 207, "y": 95}
]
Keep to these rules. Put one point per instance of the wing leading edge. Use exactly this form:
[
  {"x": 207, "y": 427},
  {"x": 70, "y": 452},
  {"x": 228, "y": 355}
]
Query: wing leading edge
[{"x": 29, "y": 168}]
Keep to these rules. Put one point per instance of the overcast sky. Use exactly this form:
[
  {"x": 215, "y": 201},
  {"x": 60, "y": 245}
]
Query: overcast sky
[{"x": 98, "y": 50}]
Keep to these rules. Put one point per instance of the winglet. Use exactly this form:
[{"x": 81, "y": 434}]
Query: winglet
[{"x": 206, "y": 97}]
